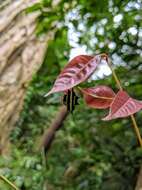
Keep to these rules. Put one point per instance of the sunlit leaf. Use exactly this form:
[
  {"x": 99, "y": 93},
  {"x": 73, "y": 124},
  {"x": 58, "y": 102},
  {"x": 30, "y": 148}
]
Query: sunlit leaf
[{"x": 77, "y": 71}]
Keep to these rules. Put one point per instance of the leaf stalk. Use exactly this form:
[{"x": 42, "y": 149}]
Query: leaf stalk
[{"x": 132, "y": 116}]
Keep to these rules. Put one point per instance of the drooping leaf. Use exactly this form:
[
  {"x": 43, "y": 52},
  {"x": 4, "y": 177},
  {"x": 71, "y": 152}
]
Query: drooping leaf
[
  {"x": 76, "y": 71},
  {"x": 98, "y": 97},
  {"x": 123, "y": 106}
]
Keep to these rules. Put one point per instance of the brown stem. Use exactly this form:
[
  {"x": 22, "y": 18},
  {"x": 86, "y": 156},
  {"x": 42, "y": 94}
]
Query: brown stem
[
  {"x": 114, "y": 75},
  {"x": 132, "y": 116},
  {"x": 49, "y": 135}
]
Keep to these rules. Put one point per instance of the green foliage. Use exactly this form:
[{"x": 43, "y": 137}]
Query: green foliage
[{"x": 87, "y": 153}]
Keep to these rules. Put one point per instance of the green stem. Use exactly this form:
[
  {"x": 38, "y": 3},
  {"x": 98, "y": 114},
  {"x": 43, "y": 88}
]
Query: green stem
[
  {"x": 114, "y": 75},
  {"x": 132, "y": 116},
  {"x": 136, "y": 129},
  {"x": 8, "y": 182}
]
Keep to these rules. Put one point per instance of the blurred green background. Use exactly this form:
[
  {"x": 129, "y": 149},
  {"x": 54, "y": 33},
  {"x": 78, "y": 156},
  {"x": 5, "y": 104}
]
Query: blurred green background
[{"x": 87, "y": 153}]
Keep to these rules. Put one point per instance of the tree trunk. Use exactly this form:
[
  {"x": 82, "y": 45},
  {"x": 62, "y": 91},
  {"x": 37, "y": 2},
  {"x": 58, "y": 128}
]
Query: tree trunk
[{"x": 21, "y": 55}]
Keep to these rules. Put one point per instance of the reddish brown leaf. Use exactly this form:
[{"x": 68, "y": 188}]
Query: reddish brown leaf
[
  {"x": 77, "y": 71},
  {"x": 98, "y": 97},
  {"x": 123, "y": 106}
]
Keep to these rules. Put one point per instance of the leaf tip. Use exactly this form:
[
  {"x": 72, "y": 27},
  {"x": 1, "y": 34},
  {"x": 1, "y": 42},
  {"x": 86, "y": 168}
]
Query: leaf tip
[{"x": 107, "y": 118}]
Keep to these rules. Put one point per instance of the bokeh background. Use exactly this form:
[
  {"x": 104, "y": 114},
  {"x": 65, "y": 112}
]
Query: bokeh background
[{"x": 86, "y": 153}]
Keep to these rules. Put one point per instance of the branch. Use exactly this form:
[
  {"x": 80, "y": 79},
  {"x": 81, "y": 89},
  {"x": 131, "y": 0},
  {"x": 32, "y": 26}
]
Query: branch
[
  {"x": 57, "y": 123},
  {"x": 8, "y": 182}
]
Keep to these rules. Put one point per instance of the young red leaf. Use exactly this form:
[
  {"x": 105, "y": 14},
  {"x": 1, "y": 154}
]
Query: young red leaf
[
  {"x": 76, "y": 71},
  {"x": 123, "y": 106},
  {"x": 98, "y": 97}
]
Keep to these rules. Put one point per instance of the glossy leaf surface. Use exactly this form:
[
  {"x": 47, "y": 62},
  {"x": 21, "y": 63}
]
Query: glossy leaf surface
[
  {"x": 98, "y": 97},
  {"x": 76, "y": 71},
  {"x": 123, "y": 106}
]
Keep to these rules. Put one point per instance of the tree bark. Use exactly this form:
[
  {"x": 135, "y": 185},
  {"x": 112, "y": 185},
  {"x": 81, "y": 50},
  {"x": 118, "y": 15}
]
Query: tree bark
[{"x": 21, "y": 55}]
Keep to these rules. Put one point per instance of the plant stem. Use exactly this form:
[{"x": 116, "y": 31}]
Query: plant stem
[
  {"x": 136, "y": 130},
  {"x": 132, "y": 116},
  {"x": 114, "y": 75},
  {"x": 8, "y": 182}
]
